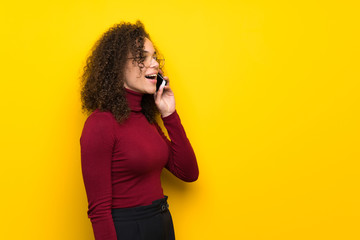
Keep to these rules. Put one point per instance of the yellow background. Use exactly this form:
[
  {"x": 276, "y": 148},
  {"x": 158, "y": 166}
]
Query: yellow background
[{"x": 268, "y": 93}]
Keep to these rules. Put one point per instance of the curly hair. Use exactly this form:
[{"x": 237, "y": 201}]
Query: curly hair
[{"x": 102, "y": 81}]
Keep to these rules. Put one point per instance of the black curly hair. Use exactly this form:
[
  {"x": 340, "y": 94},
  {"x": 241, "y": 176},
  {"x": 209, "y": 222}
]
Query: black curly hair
[{"x": 102, "y": 81}]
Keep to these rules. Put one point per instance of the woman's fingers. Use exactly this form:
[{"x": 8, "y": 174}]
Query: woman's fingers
[
  {"x": 163, "y": 84},
  {"x": 158, "y": 94}
]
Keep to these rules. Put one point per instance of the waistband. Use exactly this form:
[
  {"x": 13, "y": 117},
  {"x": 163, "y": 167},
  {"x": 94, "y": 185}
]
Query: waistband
[{"x": 140, "y": 212}]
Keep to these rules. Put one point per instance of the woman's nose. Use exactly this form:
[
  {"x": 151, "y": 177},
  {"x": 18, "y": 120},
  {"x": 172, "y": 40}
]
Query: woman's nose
[{"x": 154, "y": 64}]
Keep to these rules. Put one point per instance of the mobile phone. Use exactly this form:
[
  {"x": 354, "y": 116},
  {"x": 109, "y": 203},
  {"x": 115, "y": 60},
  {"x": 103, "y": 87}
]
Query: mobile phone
[{"x": 159, "y": 81}]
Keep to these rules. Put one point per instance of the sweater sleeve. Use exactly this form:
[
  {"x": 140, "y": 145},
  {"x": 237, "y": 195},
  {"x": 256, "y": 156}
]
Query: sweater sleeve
[
  {"x": 97, "y": 141},
  {"x": 182, "y": 160}
]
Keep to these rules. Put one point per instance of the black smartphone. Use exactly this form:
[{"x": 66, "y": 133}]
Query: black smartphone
[{"x": 159, "y": 81}]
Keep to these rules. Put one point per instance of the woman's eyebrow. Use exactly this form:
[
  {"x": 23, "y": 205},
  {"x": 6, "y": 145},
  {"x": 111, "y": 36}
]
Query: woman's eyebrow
[{"x": 149, "y": 52}]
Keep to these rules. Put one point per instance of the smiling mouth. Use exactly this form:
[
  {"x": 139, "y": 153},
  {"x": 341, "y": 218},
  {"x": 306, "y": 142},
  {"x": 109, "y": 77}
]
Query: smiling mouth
[{"x": 151, "y": 76}]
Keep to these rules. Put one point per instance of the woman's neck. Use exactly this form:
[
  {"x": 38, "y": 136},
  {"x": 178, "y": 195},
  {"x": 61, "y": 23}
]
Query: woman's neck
[{"x": 134, "y": 99}]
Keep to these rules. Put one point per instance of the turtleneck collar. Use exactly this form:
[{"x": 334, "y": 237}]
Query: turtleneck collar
[{"x": 134, "y": 100}]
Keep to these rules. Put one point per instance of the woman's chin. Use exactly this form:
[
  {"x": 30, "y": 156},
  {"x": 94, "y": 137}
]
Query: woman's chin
[{"x": 151, "y": 90}]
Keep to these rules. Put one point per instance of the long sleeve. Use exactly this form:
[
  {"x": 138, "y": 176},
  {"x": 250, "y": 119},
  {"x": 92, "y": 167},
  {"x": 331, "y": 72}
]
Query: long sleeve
[
  {"x": 182, "y": 160},
  {"x": 97, "y": 142}
]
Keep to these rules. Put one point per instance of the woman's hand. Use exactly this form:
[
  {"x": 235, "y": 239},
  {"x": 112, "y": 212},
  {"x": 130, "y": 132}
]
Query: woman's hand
[{"x": 164, "y": 99}]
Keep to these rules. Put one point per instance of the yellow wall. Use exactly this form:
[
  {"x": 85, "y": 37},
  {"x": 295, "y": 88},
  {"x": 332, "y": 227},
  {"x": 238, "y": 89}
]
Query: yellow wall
[{"x": 268, "y": 92}]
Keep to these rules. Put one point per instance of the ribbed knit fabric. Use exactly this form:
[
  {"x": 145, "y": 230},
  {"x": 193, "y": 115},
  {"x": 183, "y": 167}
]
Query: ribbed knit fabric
[{"x": 121, "y": 163}]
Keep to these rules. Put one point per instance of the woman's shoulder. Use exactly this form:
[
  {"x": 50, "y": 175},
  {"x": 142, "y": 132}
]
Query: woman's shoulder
[
  {"x": 98, "y": 117},
  {"x": 99, "y": 124}
]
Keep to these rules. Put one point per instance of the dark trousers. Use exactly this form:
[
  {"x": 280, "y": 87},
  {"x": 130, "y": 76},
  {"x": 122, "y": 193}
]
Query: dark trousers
[{"x": 152, "y": 222}]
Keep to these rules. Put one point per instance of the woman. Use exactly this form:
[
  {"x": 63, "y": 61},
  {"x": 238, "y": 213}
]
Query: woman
[{"x": 123, "y": 149}]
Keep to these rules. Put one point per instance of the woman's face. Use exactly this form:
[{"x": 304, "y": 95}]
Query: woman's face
[{"x": 142, "y": 81}]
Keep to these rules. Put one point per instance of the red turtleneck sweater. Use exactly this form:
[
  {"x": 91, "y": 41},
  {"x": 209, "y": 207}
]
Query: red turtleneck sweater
[{"x": 121, "y": 163}]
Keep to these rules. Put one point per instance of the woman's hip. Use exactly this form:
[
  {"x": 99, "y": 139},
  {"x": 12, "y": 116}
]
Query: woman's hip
[{"x": 151, "y": 222}]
